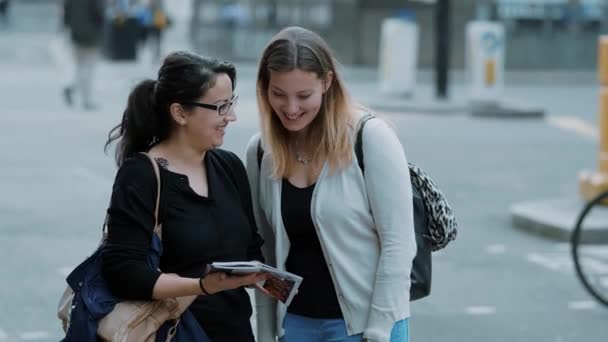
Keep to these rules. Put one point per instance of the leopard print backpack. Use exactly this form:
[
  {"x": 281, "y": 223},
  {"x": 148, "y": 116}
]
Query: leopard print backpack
[{"x": 434, "y": 222}]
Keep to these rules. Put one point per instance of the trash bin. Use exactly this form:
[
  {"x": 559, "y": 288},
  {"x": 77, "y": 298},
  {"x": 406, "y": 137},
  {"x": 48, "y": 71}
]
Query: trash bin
[
  {"x": 485, "y": 54},
  {"x": 121, "y": 38},
  {"x": 398, "y": 59}
]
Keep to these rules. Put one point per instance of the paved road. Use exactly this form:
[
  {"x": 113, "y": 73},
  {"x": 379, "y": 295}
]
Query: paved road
[{"x": 494, "y": 283}]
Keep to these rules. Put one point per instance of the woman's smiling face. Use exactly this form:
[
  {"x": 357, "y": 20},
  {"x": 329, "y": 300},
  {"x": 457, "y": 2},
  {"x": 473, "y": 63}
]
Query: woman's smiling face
[
  {"x": 206, "y": 126},
  {"x": 296, "y": 97}
]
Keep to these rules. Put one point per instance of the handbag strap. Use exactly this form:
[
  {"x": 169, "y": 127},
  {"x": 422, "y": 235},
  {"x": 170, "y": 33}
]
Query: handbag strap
[
  {"x": 158, "y": 229},
  {"x": 157, "y": 225}
]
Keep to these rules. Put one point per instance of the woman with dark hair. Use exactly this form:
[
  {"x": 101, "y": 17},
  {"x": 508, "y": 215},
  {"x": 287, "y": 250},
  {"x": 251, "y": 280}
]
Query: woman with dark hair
[
  {"x": 349, "y": 234},
  {"x": 180, "y": 119}
]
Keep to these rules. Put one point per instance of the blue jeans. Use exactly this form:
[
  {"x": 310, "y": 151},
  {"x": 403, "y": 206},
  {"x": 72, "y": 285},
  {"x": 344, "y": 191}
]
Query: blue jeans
[{"x": 305, "y": 329}]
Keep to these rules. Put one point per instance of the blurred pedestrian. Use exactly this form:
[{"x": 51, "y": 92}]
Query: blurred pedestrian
[
  {"x": 84, "y": 20},
  {"x": 154, "y": 21},
  {"x": 4, "y": 12},
  {"x": 355, "y": 255}
]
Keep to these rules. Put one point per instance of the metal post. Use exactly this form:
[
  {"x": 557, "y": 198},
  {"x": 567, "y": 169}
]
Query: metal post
[
  {"x": 604, "y": 19},
  {"x": 442, "y": 47}
]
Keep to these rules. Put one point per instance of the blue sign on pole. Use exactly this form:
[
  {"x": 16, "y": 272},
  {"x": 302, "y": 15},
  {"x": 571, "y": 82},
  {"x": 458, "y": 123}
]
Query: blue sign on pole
[{"x": 490, "y": 42}]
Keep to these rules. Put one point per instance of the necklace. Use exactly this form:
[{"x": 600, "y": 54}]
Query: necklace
[
  {"x": 302, "y": 160},
  {"x": 299, "y": 157}
]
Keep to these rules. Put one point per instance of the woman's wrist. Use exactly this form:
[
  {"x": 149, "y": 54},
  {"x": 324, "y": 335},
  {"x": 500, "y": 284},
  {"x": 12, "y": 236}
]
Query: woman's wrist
[{"x": 202, "y": 286}]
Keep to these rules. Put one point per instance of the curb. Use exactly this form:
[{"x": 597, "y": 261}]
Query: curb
[
  {"x": 501, "y": 110},
  {"x": 555, "y": 219}
]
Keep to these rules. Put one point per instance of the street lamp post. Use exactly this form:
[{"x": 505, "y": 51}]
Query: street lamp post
[{"x": 442, "y": 47}]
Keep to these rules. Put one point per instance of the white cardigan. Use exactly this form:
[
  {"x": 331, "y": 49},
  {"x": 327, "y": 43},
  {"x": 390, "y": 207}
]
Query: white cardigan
[{"x": 369, "y": 257}]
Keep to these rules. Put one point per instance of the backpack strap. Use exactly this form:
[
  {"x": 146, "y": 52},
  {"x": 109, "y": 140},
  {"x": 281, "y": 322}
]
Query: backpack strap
[
  {"x": 260, "y": 153},
  {"x": 359, "y": 140}
]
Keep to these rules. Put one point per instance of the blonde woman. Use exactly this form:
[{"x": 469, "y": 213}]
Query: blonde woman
[{"x": 349, "y": 235}]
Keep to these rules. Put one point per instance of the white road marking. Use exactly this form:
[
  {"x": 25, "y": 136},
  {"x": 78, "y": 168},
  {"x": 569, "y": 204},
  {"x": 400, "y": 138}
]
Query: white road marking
[
  {"x": 563, "y": 246},
  {"x": 554, "y": 261},
  {"x": 91, "y": 176},
  {"x": 439, "y": 253},
  {"x": 65, "y": 271},
  {"x": 34, "y": 335},
  {"x": 574, "y": 124},
  {"x": 496, "y": 249},
  {"x": 592, "y": 259},
  {"x": 593, "y": 265},
  {"x": 597, "y": 251},
  {"x": 551, "y": 262},
  {"x": 582, "y": 305},
  {"x": 480, "y": 310}
]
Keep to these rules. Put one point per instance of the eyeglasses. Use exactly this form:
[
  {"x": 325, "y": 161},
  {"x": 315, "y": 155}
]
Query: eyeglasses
[{"x": 222, "y": 108}]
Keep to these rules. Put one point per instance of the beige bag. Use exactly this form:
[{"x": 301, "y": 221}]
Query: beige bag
[{"x": 133, "y": 321}]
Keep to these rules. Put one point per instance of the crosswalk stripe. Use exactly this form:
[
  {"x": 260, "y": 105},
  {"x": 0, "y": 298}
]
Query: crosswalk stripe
[
  {"x": 480, "y": 310},
  {"x": 552, "y": 262},
  {"x": 65, "y": 271},
  {"x": 582, "y": 305},
  {"x": 89, "y": 175},
  {"x": 34, "y": 335},
  {"x": 574, "y": 124},
  {"x": 496, "y": 249}
]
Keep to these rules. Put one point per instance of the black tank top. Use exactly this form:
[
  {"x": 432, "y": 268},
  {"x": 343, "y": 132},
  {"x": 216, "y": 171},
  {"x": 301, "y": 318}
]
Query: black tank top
[{"x": 316, "y": 297}]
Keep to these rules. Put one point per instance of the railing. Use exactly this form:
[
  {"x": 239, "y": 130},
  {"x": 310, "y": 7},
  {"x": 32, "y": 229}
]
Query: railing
[
  {"x": 552, "y": 15},
  {"x": 240, "y": 29}
]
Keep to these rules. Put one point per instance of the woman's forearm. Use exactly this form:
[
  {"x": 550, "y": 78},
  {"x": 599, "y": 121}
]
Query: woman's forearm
[{"x": 171, "y": 285}]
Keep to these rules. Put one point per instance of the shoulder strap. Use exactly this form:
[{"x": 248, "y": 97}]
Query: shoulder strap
[
  {"x": 260, "y": 153},
  {"x": 182, "y": 303},
  {"x": 157, "y": 225},
  {"x": 359, "y": 140}
]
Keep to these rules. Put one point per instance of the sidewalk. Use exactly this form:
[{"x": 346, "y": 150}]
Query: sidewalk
[
  {"x": 536, "y": 90},
  {"x": 524, "y": 90},
  {"x": 526, "y": 94},
  {"x": 527, "y": 90}
]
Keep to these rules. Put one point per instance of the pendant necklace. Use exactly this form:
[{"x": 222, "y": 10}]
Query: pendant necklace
[{"x": 299, "y": 157}]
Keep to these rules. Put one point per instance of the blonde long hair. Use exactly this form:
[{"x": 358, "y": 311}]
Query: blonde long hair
[{"x": 298, "y": 48}]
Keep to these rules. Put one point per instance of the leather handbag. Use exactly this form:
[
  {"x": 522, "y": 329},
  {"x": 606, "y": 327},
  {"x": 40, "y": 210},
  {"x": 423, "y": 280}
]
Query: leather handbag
[{"x": 128, "y": 321}]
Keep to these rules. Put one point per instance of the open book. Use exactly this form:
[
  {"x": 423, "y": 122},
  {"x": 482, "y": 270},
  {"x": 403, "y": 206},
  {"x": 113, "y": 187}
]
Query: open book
[{"x": 280, "y": 284}]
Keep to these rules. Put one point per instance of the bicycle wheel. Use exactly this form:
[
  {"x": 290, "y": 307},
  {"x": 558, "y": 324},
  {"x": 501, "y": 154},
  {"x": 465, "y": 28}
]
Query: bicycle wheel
[{"x": 590, "y": 261}]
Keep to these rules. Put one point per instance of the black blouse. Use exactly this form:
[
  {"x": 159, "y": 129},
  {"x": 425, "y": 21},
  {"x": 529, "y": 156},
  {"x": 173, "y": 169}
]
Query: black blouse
[{"x": 196, "y": 231}]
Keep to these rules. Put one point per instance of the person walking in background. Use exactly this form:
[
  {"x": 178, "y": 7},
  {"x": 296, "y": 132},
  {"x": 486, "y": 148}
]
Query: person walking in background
[
  {"x": 180, "y": 120},
  {"x": 84, "y": 20},
  {"x": 154, "y": 21},
  {"x": 355, "y": 255},
  {"x": 4, "y": 9}
]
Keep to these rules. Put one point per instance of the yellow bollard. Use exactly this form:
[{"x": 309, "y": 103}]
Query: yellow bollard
[
  {"x": 490, "y": 72},
  {"x": 602, "y": 60},
  {"x": 592, "y": 184}
]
